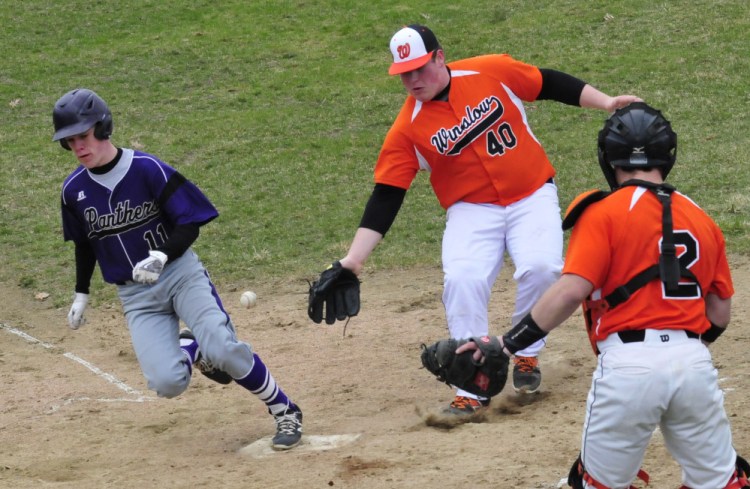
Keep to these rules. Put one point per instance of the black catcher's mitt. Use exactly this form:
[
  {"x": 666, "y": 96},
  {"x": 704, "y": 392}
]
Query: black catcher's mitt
[
  {"x": 484, "y": 379},
  {"x": 338, "y": 290}
]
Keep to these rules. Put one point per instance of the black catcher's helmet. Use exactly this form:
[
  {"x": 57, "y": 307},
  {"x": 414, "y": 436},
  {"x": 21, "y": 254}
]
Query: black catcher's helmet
[
  {"x": 77, "y": 111},
  {"x": 636, "y": 136}
]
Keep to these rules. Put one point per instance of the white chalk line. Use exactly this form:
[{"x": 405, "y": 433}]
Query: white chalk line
[
  {"x": 724, "y": 379},
  {"x": 69, "y": 401},
  {"x": 93, "y": 368}
]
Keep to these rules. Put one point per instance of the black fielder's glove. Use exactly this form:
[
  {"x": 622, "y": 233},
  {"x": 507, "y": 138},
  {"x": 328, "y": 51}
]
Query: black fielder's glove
[
  {"x": 486, "y": 378},
  {"x": 336, "y": 291}
]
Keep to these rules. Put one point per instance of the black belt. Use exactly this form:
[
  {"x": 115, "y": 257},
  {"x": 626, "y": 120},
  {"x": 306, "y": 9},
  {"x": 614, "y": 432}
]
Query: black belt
[
  {"x": 551, "y": 180},
  {"x": 634, "y": 336}
]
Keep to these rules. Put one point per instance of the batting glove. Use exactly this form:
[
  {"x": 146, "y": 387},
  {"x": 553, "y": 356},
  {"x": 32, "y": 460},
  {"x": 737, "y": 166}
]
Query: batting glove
[
  {"x": 75, "y": 316},
  {"x": 147, "y": 271}
]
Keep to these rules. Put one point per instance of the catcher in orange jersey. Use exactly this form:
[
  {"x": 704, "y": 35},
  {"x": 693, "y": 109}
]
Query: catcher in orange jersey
[
  {"x": 464, "y": 122},
  {"x": 651, "y": 270}
]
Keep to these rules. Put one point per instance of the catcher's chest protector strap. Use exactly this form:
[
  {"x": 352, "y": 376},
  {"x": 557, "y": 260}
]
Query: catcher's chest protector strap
[{"x": 579, "y": 205}]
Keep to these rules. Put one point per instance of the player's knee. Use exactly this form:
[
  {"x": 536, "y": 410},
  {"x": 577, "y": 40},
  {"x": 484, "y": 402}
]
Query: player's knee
[
  {"x": 468, "y": 278},
  {"x": 169, "y": 386},
  {"x": 233, "y": 357},
  {"x": 170, "y": 390},
  {"x": 540, "y": 272}
]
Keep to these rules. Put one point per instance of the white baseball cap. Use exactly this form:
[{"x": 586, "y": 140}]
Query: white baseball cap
[{"x": 412, "y": 48}]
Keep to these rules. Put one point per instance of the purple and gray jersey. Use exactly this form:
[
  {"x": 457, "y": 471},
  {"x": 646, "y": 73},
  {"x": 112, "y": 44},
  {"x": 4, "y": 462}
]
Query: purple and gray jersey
[{"x": 129, "y": 210}]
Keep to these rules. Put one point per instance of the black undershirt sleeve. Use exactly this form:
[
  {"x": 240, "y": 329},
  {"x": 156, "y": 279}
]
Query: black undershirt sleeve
[
  {"x": 382, "y": 208},
  {"x": 561, "y": 87},
  {"x": 180, "y": 239},
  {"x": 85, "y": 264}
]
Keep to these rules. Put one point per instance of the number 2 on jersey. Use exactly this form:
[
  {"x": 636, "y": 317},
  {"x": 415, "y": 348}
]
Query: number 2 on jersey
[{"x": 688, "y": 258}]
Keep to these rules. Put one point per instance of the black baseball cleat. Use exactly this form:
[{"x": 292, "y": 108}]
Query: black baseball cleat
[
  {"x": 526, "y": 375},
  {"x": 288, "y": 429},
  {"x": 204, "y": 365}
]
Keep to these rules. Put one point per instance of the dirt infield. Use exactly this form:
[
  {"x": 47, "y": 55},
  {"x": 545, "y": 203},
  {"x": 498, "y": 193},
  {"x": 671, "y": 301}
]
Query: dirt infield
[{"x": 76, "y": 412}]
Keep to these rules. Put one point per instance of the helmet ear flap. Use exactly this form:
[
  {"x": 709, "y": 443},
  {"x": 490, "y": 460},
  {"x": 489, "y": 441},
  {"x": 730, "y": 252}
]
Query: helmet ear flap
[
  {"x": 607, "y": 169},
  {"x": 103, "y": 129}
]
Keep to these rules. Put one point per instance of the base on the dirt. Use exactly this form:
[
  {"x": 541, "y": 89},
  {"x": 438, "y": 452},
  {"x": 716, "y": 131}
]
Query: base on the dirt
[{"x": 309, "y": 443}]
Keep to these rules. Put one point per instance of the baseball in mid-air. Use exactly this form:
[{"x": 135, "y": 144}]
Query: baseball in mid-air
[{"x": 248, "y": 298}]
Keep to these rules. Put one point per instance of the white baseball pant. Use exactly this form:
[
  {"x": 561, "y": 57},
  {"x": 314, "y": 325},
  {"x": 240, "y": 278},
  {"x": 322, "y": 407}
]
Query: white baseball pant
[
  {"x": 475, "y": 240},
  {"x": 666, "y": 381}
]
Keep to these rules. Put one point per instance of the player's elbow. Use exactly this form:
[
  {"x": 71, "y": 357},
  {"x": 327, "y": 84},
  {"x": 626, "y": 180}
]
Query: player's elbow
[
  {"x": 573, "y": 289},
  {"x": 718, "y": 310}
]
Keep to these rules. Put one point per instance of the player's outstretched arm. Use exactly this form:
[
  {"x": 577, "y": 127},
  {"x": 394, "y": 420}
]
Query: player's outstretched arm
[
  {"x": 556, "y": 305},
  {"x": 85, "y": 264},
  {"x": 594, "y": 99},
  {"x": 377, "y": 218},
  {"x": 365, "y": 241},
  {"x": 335, "y": 295}
]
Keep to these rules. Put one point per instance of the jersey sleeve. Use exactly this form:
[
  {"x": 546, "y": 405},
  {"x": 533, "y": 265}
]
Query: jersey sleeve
[
  {"x": 398, "y": 162},
  {"x": 185, "y": 203},
  {"x": 523, "y": 79},
  {"x": 722, "y": 284},
  {"x": 73, "y": 228},
  {"x": 590, "y": 249},
  {"x": 179, "y": 199}
]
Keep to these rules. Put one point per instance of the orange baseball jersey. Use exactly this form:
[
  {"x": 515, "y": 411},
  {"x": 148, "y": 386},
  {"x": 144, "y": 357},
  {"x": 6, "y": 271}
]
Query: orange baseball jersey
[
  {"x": 478, "y": 145},
  {"x": 619, "y": 236}
]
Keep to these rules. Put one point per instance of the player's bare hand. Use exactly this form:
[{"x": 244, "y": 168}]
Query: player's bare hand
[
  {"x": 621, "y": 101},
  {"x": 478, "y": 356},
  {"x": 75, "y": 315},
  {"x": 469, "y": 346},
  {"x": 147, "y": 271}
]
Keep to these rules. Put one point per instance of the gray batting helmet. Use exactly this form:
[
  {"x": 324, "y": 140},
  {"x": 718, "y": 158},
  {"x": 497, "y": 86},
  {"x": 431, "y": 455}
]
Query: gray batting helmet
[
  {"x": 636, "y": 136},
  {"x": 79, "y": 110}
]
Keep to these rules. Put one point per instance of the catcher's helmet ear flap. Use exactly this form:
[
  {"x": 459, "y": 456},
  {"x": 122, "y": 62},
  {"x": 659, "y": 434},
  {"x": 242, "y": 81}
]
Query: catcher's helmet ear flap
[
  {"x": 636, "y": 136},
  {"x": 79, "y": 110}
]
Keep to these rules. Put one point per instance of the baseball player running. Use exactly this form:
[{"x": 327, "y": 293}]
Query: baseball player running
[
  {"x": 137, "y": 217},
  {"x": 464, "y": 122},
  {"x": 650, "y": 268}
]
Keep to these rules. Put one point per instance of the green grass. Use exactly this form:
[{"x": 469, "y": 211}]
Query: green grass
[{"x": 277, "y": 111}]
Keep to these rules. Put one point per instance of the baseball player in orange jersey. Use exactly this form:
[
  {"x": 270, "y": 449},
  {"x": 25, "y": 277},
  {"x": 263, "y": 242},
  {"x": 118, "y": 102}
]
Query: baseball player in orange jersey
[
  {"x": 464, "y": 122},
  {"x": 651, "y": 270}
]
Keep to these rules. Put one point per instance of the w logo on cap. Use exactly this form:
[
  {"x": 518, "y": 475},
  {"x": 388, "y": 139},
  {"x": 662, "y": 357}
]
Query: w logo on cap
[
  {"x": 404, "y": 51},
  {"x": 412, "y": 47}
]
